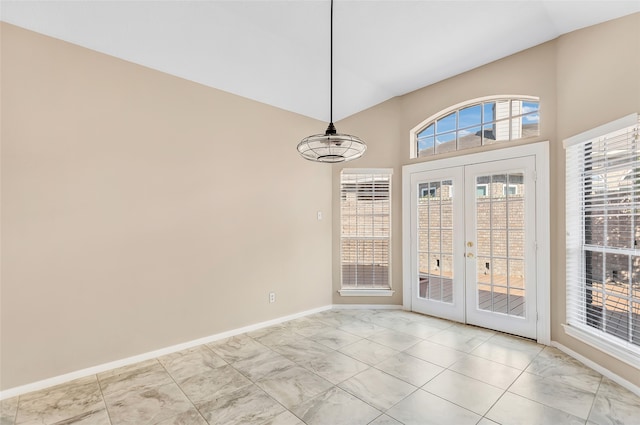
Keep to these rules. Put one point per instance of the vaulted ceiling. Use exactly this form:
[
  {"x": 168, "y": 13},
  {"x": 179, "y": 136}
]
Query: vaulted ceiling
[{"x": 277, "y": 52}]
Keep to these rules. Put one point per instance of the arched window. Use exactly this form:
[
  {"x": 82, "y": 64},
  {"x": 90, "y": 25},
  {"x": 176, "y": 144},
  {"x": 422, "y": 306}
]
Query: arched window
[{"x": 475, "y": 123}]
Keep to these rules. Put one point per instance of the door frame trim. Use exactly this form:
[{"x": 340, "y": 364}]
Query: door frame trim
[{"x": 540, "y": 151}]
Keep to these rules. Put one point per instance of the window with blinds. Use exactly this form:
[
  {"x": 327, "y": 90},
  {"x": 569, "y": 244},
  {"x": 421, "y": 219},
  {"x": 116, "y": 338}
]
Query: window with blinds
[
  {"x": 603, "y": 236},
  {"x": 365, "y": 237}
]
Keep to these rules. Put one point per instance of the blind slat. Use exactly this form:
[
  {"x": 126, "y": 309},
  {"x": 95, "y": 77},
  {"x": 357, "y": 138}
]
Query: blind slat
[
  {"x": 365, "y": 217},
  {"x": 603, "y": 234}
]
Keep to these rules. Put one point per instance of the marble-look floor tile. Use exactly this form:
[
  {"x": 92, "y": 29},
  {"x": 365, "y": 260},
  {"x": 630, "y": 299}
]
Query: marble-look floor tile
[
  {"x": 368, "y": 352},
  {"x": 554, "y": 394},
  {"x": 284, "y": 418},
  {"x": 262, "y": 365},
  {"x": 464, "y": 391},
  {"x": 393, "y": 339},
  {"x": 392, "y": 319},
  {"x": 512, "y": 341},
  {"x": 377, "y": 388},
  {"x": 553, "y": 364},
  {"x": 361, "y": 328},
  {"x": 512, "y": 409},
  {"x": 209, "y": 385},
  {"x": 384, "y": 420},
  {"x": 247, "y": 405},
  {"x": 484, "y": 370},
  {"x": 236, "y": 348},
  {"x": 508, "y": 351},
  {"x": 336, "y": 319},
  {"x": 436, "y": 353},
  {"x": 190, "y": 417},
  {"x": 452, "y": 338},
  {"x": 613, "y": 411},
  {"x": 474, "y": 331},
  {"x": 409, "y": 369},
  {"x": 262, "y": 332},
  {"x": 125, "y": 370},
  {"x": 432, "y": 321},
  {"x": 148, "y": 406},
  {"x": 140, "y": 376},
  {"x": 334, "y": 338},
  {"x": 293, "y": 386},
  {"x": 98, "y": 417},
  {"x": 74, "y": 399},
  {"x": 420, "y": 329},
  {"x": 275, "y": 336},
  {"x": 334, "y": 367},
  {"x": 184, "y": 364},
  {"x": 8, "y": 410},
  {"x": 303, "y": 350},
  {"x": 336, "y": 407},
  {"x": 307, "y": 327},
  {"x": 610, "y": 389},
  {"x": 423, "y": 408},
  {"x": 485, "y": 421}
]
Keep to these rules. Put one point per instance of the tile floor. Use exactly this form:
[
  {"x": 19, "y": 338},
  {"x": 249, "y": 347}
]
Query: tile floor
[{"x": 349, "y": 367}]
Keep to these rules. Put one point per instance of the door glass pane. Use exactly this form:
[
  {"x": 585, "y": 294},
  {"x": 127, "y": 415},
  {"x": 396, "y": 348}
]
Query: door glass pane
[
  {"x": 435, "y": 234},
  {"x": 500, "y": 244}
]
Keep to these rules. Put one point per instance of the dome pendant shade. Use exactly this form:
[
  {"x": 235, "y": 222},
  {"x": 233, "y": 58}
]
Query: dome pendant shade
[{"x": 331, "y": 147}]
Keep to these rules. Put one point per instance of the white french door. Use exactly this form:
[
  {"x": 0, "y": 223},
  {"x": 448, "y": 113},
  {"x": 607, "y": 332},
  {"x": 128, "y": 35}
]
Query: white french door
[{"x": 473, "y": 244}]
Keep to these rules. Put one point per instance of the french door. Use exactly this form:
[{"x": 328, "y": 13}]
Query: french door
[{"x": 473, "y": 248}]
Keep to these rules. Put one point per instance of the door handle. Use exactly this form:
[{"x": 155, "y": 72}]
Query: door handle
[{"x": 470, "y": 255}]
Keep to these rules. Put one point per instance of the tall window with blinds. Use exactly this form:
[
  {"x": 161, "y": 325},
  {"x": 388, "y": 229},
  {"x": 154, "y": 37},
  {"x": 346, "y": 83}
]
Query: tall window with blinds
[
  {"x": 365, "y": 239},
  {"x": 603, "y": 236}
]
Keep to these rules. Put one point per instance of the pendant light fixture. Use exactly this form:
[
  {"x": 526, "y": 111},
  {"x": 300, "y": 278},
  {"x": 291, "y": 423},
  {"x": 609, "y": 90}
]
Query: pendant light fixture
[{"x": 331, "y": 146}]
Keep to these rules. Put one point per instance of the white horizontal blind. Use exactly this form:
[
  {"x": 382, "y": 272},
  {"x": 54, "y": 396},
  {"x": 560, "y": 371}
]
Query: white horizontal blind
[
  {"x": 365, "y": 218},
  {"x": 603, "y": 236}
]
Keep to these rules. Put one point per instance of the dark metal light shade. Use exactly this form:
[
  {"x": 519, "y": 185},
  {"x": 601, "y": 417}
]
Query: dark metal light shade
[{"x": 331, "y": 147}]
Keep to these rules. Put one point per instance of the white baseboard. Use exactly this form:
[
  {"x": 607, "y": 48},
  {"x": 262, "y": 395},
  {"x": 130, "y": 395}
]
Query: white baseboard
[
  {"x": 601, "y": 370},
  {"x": 366, "y": 307},
  {"x": 61, "y": 379}
]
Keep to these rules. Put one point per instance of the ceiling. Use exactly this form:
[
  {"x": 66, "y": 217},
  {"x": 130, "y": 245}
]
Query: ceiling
[{"x": 277, "y": 52}]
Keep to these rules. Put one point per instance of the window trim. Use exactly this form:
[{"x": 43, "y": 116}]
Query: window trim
[
  {"x": 368, "y": 292},
  {"x": 602, "y": 341},
  {"x": 413, "y": 133}
]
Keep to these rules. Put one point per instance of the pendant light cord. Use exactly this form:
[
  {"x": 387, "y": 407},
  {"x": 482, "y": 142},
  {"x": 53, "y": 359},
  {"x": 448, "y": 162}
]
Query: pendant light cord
[{"x": 331, "y": 72}]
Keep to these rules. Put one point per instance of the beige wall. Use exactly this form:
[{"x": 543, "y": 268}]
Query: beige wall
[
  {"x": 380, "y": 128},
  {"x": 598, "y": 81},
  {"x": 584, "y": 79},
  {"x": 140, "y": 210}
]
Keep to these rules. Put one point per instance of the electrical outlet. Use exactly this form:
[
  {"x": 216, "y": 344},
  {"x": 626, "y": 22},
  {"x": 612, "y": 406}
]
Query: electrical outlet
[{"x": 272, "y": 297}]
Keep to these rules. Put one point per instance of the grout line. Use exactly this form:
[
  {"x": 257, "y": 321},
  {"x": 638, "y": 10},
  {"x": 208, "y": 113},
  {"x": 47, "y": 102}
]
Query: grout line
[
  {"x": 104, "y": 400},
  {"x": 181, "y": 390},
  {"x": 595, "y": 396}
]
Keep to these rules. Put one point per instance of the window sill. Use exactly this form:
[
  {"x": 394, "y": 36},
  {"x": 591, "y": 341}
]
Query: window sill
[
  {"x": 366, "y": 292},
  {"x": 607, "y": 346}
]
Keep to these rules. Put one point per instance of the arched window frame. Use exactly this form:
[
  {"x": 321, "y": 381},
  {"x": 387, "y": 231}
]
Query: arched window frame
[{"x": 414, "y": 132}]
